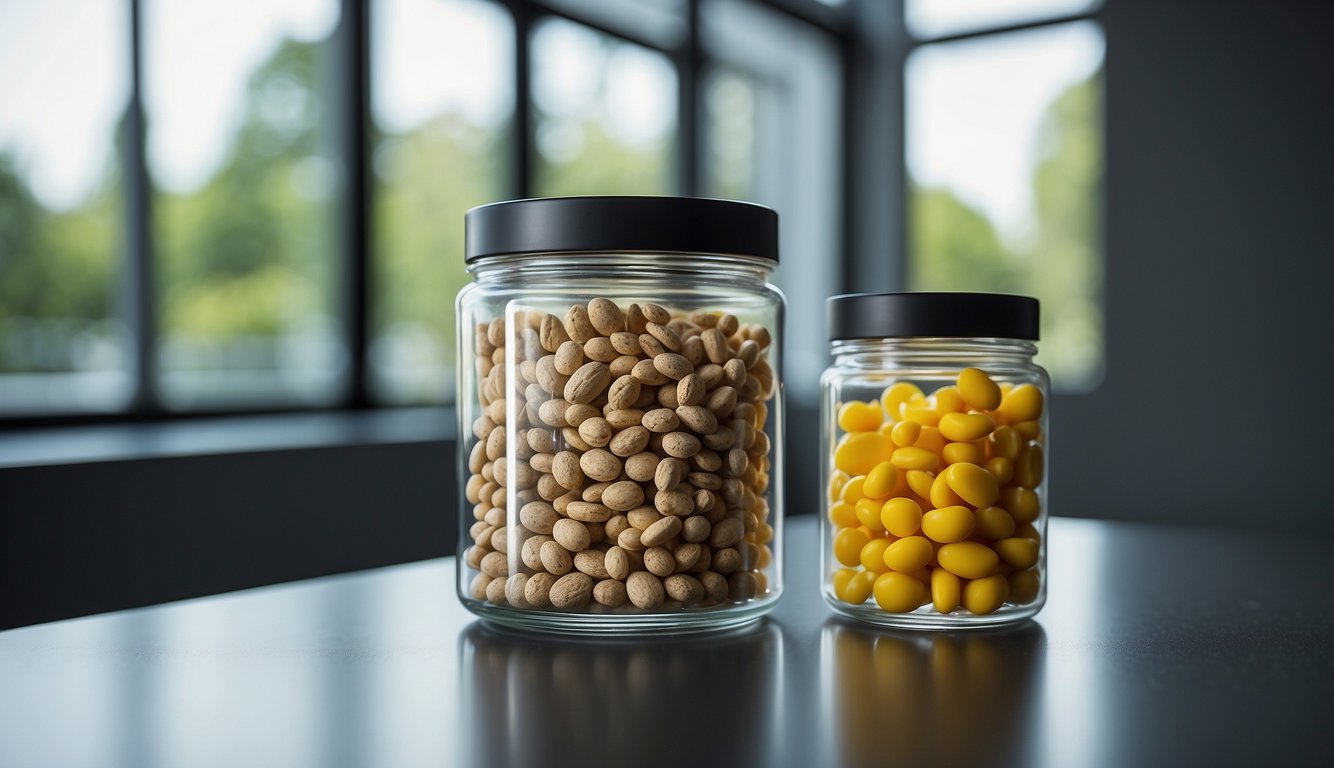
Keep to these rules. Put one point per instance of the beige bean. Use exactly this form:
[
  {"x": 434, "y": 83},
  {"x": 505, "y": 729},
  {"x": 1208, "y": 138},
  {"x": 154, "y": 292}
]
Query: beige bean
[
  {"x": 577, "y": 324},
  {"x": 495, "y": 564},
  {"x": 591, "y": 562},
  {"x": 592, "y": 492},
  {"x": 629, "y": 540},
  {"x": 635, "y": 322},
  {"x": 646, "y": 374},
  {"x": 711, "y": 373},
  {"x": 669, "y": 473},
  {"x": 665, "y": 335},
  {"x": 715, "y": 346},
  {"x": 610, "y": 593},
  {"x": 692, "y": 349},
  {"x": 599, "y": 348},
  {"x": 573, "y": 590},
  {"x": 727, "y": 533},
  {"x": 623, "y": 366},
  {"x": 568, "y": 357},
  {"x": 645, "y": 590},
  {"x": 671, "y": 365},
  {"x": 616, "y": 562},
  {"x": 641, "y": 467},
  {"x": 687, "y": 589},
  {"x": 686, "y": 555},
  {"x": 650, "y": 346},
  {"x": 612, "y": 528},
  {"x": 728, "y": 324},
  {"x": 726, "y": 560},
  {"x": 552, "y": 412},
  {"x": 552, "y": 334},
  {"x": 734, "y": 372},
  {"x": 696, "y": 529},
  {"x": 642, "y": 517},
  {"x": 479, "y": 584},
  {"x": 514, "y": 588},
  {"x": 566, "y": 469},
  {"x": 531, "y": 551},
  {"x": 674, "y": 503},
  {"x": 656, "y": 314},
  {"x": 537, "y": 592},
  {"x": 737, "y": 462},
  {"x": 595, "y": 431},
  {"x": 538, "y": 517},
  {"x": 621, "y": 418},
  {"x": 495, "y": 591},
  {"x": 661, "y": 420},
  {"x": 578, "y": 413},
  {"x": 623, "y": 393},
  {"x": 556, "y": 558},
  {"x": 600, "y": 464},
  {"x": 698, "y": 418},
  {"x": 626, "y": 343},
  {"x": 681, "y": 445},
  {"x": 690, "y": 390},
  {"x": 715, "y": 586},
  {"x": 629, "y": 441},
  {"x": 666, "y": 396},
  {"x": 587, "y": 382},
  {"x": 605, "y": 316},
  {"x": 659, "y": 561},
  {"x": 573, "y": 536},
  {"x": 661, "y": 532},
  {"x": 707, "y": 460},
  {"x": 586, "y": 512},
  {"x": 623, "y": 496}
]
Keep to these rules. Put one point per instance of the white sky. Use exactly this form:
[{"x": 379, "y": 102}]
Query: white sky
[
  {"x": 930, "y": 18},
  {"x": 974, "y": 109}
]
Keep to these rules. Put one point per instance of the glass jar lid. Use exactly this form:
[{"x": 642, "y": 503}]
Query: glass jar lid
[
  {"x": 621, "y": 224},
  {"x": 948, "y": 315}
]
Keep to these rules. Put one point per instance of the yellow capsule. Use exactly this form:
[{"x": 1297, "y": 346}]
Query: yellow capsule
[
  {"x": 911, "y": 553},
  {"x": 942, "y": 495},
  {"x": 920, "y": 482},
  {"x": 898, "y": 592},
  {"x": 1028, "y": 532},
  {"x": 837, "y": 479},
  {"x": 841, "y": 578},
  {"x": 948, "y": 400},
  {"x": 856, "y": 587},
  {"x": 984, "y": 595},
  {"x": 852, "y": 490},
  {"x": 1001, "y": 467},
  {"x": 901, "y": 516},
  {"x": 972, "y": 483},
  {"x": 946, "y": 590},
  {"x": 848, "y": 545},
  {"x": 887, "y": 428},
  {"x": 963, "y": 453},
  {"x": 948, "y": 524},
  {"x": 868, "y": 512},
  {"x": 843, "y": 515},
  {"x": 978, "y": 390},
  {"x": 966, "y": 559},
  {"x": 858, "y": 452},
  {"x": 1024, "y": 587},
  {"x": 914, "y": 458},
  {"x": 857, "y": 416},
  {"x": 1021, "y": 503},
  {"x": 873, "y": 555},
  {"x": 1005, "y": 442},
  {"x": 905, "y": 433},
  {"x": 1028, "y": 468},
  {"x": 880, "y": 481},
  {"x": 993, "y": 523},
  {"x": 1028, "y": 430},
  {"x": 966, "y": 426},
  {"x": 1023, "y": 403},
  {"x": 1017, "y": 551},
  {"x": 895, "y": 395},
  {"x": 922, "y": 413},
  {"x": 931, "y": 440}
]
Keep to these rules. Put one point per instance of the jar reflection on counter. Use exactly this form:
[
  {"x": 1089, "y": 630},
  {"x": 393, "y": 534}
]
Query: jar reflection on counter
[
  {"x": 620, "y": 397},
  {"x": 935, "y": 428}
]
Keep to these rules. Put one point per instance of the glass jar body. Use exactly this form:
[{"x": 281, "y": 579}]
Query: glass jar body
[
  {"x": 910, "y": 536},
  {"x": 620, "y": 417}
]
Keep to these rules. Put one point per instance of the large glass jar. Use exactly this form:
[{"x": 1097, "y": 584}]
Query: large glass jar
[
  {"x": 934, "y": 429},
  {"x": 620, "y": 413}
]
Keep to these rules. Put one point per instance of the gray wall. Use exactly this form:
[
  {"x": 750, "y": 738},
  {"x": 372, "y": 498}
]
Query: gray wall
[{"x": 1219, "y": 392}]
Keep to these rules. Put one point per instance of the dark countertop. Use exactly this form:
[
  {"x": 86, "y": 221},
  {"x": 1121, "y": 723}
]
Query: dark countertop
[{"x": 1158, "y": 646}]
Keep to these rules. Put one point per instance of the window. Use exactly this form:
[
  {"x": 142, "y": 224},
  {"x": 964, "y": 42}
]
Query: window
[
  {"x": 218, "y": 208},
  {"x": 1004, "y": 152}
]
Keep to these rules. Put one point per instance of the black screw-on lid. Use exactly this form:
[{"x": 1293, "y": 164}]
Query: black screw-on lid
[
  {"x": 624, "y": 224},
  {"x": 957, "y": 315}
]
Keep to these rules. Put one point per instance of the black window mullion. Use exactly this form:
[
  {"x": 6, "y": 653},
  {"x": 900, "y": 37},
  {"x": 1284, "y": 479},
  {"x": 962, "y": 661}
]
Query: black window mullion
[
  {"x": 139, "y": 284},
  {"x": 521, "y": 138},
  {"x": 690, "y": 131},
  {"x": 352, "y": 51}
]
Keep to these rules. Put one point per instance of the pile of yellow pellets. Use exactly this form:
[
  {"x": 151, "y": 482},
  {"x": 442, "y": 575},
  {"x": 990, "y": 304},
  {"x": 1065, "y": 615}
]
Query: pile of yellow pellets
[{"x": 933, "y": 498}]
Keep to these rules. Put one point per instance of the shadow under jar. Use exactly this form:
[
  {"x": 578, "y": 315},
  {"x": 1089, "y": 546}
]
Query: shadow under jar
[
  {"x": 934, "y": 432},
  {"x": 620, "y": 409}
]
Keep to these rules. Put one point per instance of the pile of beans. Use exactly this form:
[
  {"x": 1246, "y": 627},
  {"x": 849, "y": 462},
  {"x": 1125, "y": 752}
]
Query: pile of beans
[
  {"x": 642, "y": 464},
  {"x": 933, "y": 498}
]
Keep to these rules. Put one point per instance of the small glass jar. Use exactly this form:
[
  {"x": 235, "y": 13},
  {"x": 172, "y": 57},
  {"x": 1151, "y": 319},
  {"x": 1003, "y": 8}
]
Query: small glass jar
[
  {"x": 620, "y": 406},
  {"x": 934, "y": 429}
]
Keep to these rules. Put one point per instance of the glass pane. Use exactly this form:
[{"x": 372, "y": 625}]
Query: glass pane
[
  {"x": 65, "y": 69},
  {"x": 441, "y": 148},
  {"x": 661, "y": 22},
  {"x": 1005, "y": 150},
  {"x": 240, "y": 100},
  {"x": 933, "y": 18},
  {"x": 605, "y": 114}
]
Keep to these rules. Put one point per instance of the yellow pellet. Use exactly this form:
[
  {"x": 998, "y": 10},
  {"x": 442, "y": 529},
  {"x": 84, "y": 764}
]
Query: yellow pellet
[
  {"x": 895, "y": 395},
  {"x": 922, "y": 413},
  {"x": 1021, "y": 503},
  {"x": 1028, "y": 430},
  {"x": 880, "y": 481},
  {"x": 920, "y": 482},
  {"x": 848, "y": 545},
  {"x": 852, "y": 490},
  {"x": 911, "y": 553},
  {"x": 905, "y": 433},
  {"x": 901, "y": 516},
  {"x": 873, "y": 555},
  {"x": 856, "y": 587},
  {"x": 841, "y": 578},
  {"x": 978, "y": 390},
  {"x": 1017, "y": 551},
  {"x": 1001, "y": 467},
  {"x": 931, "y": 440},
  {"x": 857, "y": 416},
  {"x": 972, "y": 483},
  {"x": 1028, "y": 467},
  {"x": 898, "y": 592},
  {"x": 984, "y": 595},
  {"x": 858, "y": 452},
  {"x": 837, "y": 479},
  {"x": 964, "y": 453},
  {"x": 993, "y": 523},
  {"x": 941, "y": 493},
  {"x": 946, "y": 590},
  {"x": 1023, "y": 587},
  {"x": 1028, "y": 532},
  {"x": 948, "y": 524},
  {"x": 868, "y": 512},
  {"x": 965, "y": 559},
  {"x": 966, "y": 426},
  {"x": 843, "y": 515},
  {"x": 1005, "y": 442},
  {"x": 1023, "y": 403},
  {"x": 948, "y": 400},
  {"x": 914, "y": 458}
]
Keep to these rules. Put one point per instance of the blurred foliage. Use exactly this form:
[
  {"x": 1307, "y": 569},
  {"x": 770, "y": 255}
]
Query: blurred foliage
[{"x": 955, "y": 247}]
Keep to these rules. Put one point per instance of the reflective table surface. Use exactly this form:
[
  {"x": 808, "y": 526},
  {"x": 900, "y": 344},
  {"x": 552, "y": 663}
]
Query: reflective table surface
[{"x": 1158, "y": 646}]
